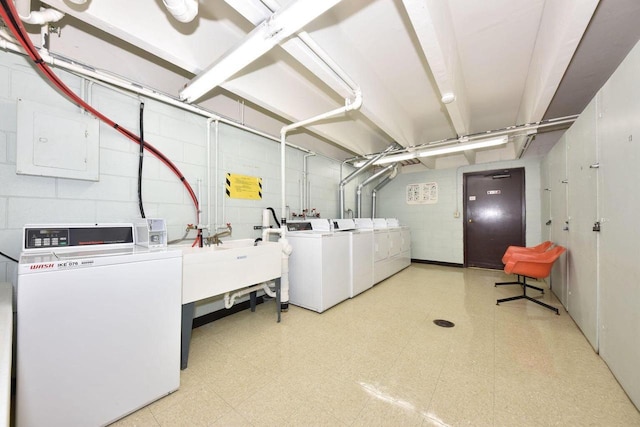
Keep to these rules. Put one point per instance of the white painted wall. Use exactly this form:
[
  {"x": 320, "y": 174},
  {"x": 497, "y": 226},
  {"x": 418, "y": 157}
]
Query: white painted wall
[
  {"x": 178, "y": 134},
  {"x": 436, "y": 235}
]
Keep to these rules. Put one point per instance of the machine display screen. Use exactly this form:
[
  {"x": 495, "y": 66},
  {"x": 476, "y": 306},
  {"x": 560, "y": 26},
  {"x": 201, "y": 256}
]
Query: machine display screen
[{"x": 38, "y": 237}]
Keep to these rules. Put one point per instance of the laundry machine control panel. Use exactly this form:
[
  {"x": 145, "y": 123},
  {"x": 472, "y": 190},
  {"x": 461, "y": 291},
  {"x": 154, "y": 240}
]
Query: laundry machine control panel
[{"x": 52, "y": 237}]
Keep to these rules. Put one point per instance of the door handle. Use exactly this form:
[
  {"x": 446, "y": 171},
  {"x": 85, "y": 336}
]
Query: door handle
[
  {"x": 596, "y": 226},
  {"x": 470, "y": 220}
]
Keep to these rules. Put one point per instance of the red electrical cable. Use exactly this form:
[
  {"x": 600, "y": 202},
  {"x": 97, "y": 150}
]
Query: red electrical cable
[{"x": 10, "y": 17}]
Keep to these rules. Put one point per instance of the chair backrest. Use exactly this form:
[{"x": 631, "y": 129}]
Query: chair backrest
[
  {"x": 531, "y": 264},
  {"x": 515, "y": 249}
]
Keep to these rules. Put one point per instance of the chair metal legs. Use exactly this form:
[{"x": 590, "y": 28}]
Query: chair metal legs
[
  {"x": 525, "y": 296},
  {"x": 523, "y": 283}
]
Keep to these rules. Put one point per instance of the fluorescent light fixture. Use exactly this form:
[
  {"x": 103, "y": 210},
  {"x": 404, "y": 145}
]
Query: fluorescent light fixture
[
  {"x": 395, "y": 158},
  {"x": 445, "y": 149},
  {"x": 484, "y": 143},
  {"x": 282, "y": 24}
]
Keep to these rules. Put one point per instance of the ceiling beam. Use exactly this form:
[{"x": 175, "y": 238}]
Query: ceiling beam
[
  {"x": 269, "y": 33},
  {"x": 561, "y": 28},
  {"x": 432, "y": 24},
  {"x": 379, "y": 110}
]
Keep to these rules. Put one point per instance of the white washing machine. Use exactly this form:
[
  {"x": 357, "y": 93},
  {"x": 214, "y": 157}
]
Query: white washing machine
[
  {"x": 360, "y": 255},
  {"x": 98, "y": 325},
  {"x": 391, "y": 246},
  {"x": 319, "y": 267},
  {"x": 399, "y": 246}
]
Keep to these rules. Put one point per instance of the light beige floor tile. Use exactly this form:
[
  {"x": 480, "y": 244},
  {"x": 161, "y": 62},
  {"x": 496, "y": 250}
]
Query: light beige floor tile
[
  {"x": 463, "y": 399},
  {"x": 201, "y": 408},
  {"x": 387, "y": 410},
  {"x": 378, "y": 359},
  {"x": 231, "y": 419},
  {"x": 141, "y": 418}
]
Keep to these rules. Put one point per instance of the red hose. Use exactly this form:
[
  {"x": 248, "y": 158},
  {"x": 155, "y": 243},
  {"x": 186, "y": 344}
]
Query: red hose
[{"x": 10, "y": 17}]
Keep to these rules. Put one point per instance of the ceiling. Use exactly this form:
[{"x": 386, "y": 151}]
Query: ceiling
[{"x": 504, "y": 62}]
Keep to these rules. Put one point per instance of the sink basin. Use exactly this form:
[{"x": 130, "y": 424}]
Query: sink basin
[{"x": 233, "y": 265}]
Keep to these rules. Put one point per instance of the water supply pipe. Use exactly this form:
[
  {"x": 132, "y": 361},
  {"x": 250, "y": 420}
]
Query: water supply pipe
[
  {"x": 382, "y": 183},
  {"x": 366, "y": 182},
  {"x": 358, "y": 172}
]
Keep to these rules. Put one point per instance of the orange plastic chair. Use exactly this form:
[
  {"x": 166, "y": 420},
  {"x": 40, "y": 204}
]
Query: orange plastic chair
[
  {"x": 532, "y": 265},
  {"x": 542, "y": 247}
]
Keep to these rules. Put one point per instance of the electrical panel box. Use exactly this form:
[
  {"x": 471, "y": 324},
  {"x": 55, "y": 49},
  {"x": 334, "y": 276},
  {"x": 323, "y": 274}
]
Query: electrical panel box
[
  {"x": 57, "y": 143},
  {"x": 151, "y": 233}
]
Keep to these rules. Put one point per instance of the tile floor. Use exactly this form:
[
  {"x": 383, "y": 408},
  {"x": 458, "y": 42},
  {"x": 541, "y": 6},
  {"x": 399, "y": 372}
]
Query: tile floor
[{"x": 378, "y": 360}]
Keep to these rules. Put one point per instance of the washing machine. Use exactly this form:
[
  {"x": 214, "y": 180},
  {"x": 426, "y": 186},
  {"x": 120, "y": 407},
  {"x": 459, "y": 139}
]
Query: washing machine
[
  {"x": 360, "y": 255},
  {"x": 399, "y": 246},
  {"x": 98, "y": 324},
  {"x": 319, "y": 267}
]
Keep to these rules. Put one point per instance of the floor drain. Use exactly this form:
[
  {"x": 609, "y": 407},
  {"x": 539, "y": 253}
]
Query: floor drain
[{"x": 444, "y": 323}]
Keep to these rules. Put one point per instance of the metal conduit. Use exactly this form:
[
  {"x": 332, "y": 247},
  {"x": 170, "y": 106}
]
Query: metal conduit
[
  {"x": 382, "y": 183},
  {"x": 358, "y": 172},
  {"x": 366, "y": 182}
]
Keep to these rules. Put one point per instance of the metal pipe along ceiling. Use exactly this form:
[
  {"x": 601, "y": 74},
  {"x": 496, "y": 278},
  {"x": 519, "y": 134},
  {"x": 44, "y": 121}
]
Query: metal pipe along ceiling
[
  {"x": 377, "y": 188},
  {"x": 358, "y": 172}
]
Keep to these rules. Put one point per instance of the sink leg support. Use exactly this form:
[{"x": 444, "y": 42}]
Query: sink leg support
[
  {"x": 278, "y": 298},
  {"x": 253, "y": 296},
  {"x": 185, "y": 334}
]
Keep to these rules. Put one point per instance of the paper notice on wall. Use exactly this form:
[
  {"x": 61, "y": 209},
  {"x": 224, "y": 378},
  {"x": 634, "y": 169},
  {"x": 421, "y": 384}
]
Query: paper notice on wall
[
  {"x": 243, "y": 187},
  {"x": 422, "y": 194}
]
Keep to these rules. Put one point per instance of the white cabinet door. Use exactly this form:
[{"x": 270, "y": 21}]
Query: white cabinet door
[
  {"x": 582, "y": 192},
  {"x": 620, "y": 235}
]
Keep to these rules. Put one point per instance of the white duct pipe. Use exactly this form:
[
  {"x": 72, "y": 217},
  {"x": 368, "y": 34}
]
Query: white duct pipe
[
  {"x": 305, "y": 182},
  {"x": 356, "y": 173},
  {"x": 230, "y": 299},
  {"x": 382, "y": 183},
  {"x": 366, "y": 182},
  {"x": 286, "y": 247},
  {"x": 41, "y": 17},
  {"x": 182, "y": 10}
]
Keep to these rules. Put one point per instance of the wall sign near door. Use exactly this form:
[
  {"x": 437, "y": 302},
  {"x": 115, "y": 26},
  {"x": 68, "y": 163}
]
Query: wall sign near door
[{"x": 422, "y": 194}]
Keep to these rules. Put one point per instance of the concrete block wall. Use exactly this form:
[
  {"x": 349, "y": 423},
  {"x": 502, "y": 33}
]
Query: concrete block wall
[
  {"x": 436, "y": 234},
  {"x": 180, "y": 135}
]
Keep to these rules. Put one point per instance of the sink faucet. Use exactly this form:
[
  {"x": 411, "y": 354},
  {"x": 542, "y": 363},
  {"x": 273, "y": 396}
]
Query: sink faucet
[{"x": 215, "y": 239}]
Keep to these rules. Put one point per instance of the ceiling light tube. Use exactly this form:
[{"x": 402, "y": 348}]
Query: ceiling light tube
[
  {"x": 395, "y": 158},
  {"x": 484, "y": 143},
  {"x": 282, "y": 24}
]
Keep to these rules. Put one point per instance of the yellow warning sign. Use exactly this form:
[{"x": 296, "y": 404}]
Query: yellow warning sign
[{"x": 243, "y": 187}]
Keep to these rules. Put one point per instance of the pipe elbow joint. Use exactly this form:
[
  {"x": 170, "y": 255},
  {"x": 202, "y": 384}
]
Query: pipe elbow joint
[
  {"x": 183, "y": 10},
  {"x": 356, "y": 103},
  {"x": 42, "y": 17}
]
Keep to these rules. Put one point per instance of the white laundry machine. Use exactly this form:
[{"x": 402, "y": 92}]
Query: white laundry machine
[
  {"x": 391, "y": 246},
  {"x": 360, "y": 255},
  {"x": 98, "y": 325},
  {"x": 319, "y": 267},
  {"x": 399, "y": 246}
]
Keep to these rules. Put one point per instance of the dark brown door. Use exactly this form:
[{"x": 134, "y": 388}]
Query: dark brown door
[{"x": 494, "y": 215}]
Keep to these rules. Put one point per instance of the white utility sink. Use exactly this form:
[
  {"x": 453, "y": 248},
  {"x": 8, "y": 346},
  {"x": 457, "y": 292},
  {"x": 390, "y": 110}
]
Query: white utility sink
[{"x": 234, "y": 264}]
